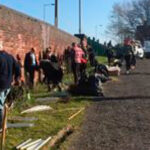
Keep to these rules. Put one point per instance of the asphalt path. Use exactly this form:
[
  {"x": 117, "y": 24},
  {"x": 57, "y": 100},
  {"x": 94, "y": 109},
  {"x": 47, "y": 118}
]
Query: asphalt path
[{"x": 121, "y": 120}]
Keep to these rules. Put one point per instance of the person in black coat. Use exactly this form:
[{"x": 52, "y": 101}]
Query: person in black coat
[
  {"x": 91, "y": 54},
  {"x": 109, "y": 53},
  {"x": 9, "y": 71},
  {"x": 30, "y": 66},
  {"x": 129, "y": 55},
  {"x": 52, "y": 72},
  {"x": 67, "y": 59}
]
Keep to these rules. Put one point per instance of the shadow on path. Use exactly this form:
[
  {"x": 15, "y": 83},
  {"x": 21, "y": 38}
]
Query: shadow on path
[
  {"x": 136, "y": 73},
  {"x": 120, "y": 98}
]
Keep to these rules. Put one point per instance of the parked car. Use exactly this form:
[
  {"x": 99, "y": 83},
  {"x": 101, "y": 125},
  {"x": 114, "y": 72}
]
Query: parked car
[
  {"x": 138, "y": 49},
  {"x": 147, "y": 49}
]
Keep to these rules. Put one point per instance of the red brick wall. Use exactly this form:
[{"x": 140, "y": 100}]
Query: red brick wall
[{"x": 20, "y": 32}]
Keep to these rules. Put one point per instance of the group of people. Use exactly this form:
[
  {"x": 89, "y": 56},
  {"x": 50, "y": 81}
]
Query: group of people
[
  {"x": 127, "y": 53},
  {"x": 11, "y": 71},
  {"x": 10, "y": 68},
  {"x": 32, "y": 64},
  {"x": 76, "y": 58}
]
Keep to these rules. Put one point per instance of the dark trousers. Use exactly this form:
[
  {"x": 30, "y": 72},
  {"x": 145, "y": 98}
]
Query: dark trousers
[
  {"x": 83, "y": 69},
  {"x": 1, "y": 118},
  {"x": 133, "y": 61},
  {"x": 31, "y": 76},
  {"x": 76, "y": 72},
  {"x": 128, "y": 59},
  {"x": 109, "y": 60},
  {"x": 68, "y": 65}
]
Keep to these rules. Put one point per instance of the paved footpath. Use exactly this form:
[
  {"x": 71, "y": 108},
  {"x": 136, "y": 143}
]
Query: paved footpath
[{"x": 121, "y": 121}]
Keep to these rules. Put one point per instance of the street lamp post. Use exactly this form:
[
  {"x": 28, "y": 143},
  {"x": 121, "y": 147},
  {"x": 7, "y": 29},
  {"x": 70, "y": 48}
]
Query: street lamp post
[
  {"x": 80, "y": 17},
  {"x": 44, "y": 11},
  {"x": 56, "y": 13},
  {"x": 96, "y": 30}
]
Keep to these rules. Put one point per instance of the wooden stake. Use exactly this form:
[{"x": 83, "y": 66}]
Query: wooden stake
[
  {"x": 24, "y": 143},
  {"x": 61, "y": 134},
  {"x": 35, "y": 145},
  {"x": 4, "y": 127},
  {"x": 74, "y": 115},
  {"x": 43, "y": 143},
  {"x": 67, "y": 109},
  {"x": 30, "y": 144}
]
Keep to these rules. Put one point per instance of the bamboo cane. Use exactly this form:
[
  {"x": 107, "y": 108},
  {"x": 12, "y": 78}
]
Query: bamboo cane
[
  {"x": 4, "y": 127},
  {"x": 74, "y": 115}
]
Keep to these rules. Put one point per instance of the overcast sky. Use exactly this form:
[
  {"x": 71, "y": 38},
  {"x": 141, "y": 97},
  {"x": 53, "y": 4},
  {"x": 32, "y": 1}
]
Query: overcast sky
[{"x": 95, "y": 14}]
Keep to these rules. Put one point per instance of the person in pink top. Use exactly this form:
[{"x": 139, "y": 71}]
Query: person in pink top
[{"x": 77, "y": 58}]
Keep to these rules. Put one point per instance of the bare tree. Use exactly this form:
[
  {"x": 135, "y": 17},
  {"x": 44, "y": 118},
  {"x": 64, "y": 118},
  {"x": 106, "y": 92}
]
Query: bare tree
[{"x": 126, "y": 17}]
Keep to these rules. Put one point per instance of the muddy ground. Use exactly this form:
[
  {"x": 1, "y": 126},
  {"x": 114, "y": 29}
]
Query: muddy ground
[{"x": 120, "y": 121}]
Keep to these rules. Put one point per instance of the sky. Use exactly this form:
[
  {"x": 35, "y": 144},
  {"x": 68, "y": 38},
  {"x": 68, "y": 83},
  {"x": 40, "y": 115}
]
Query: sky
[{"x": 95, "y": 14}]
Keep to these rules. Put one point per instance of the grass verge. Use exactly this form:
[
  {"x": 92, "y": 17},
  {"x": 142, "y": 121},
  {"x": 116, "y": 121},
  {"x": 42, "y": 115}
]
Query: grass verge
[{"x": 49, "y": 122}]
